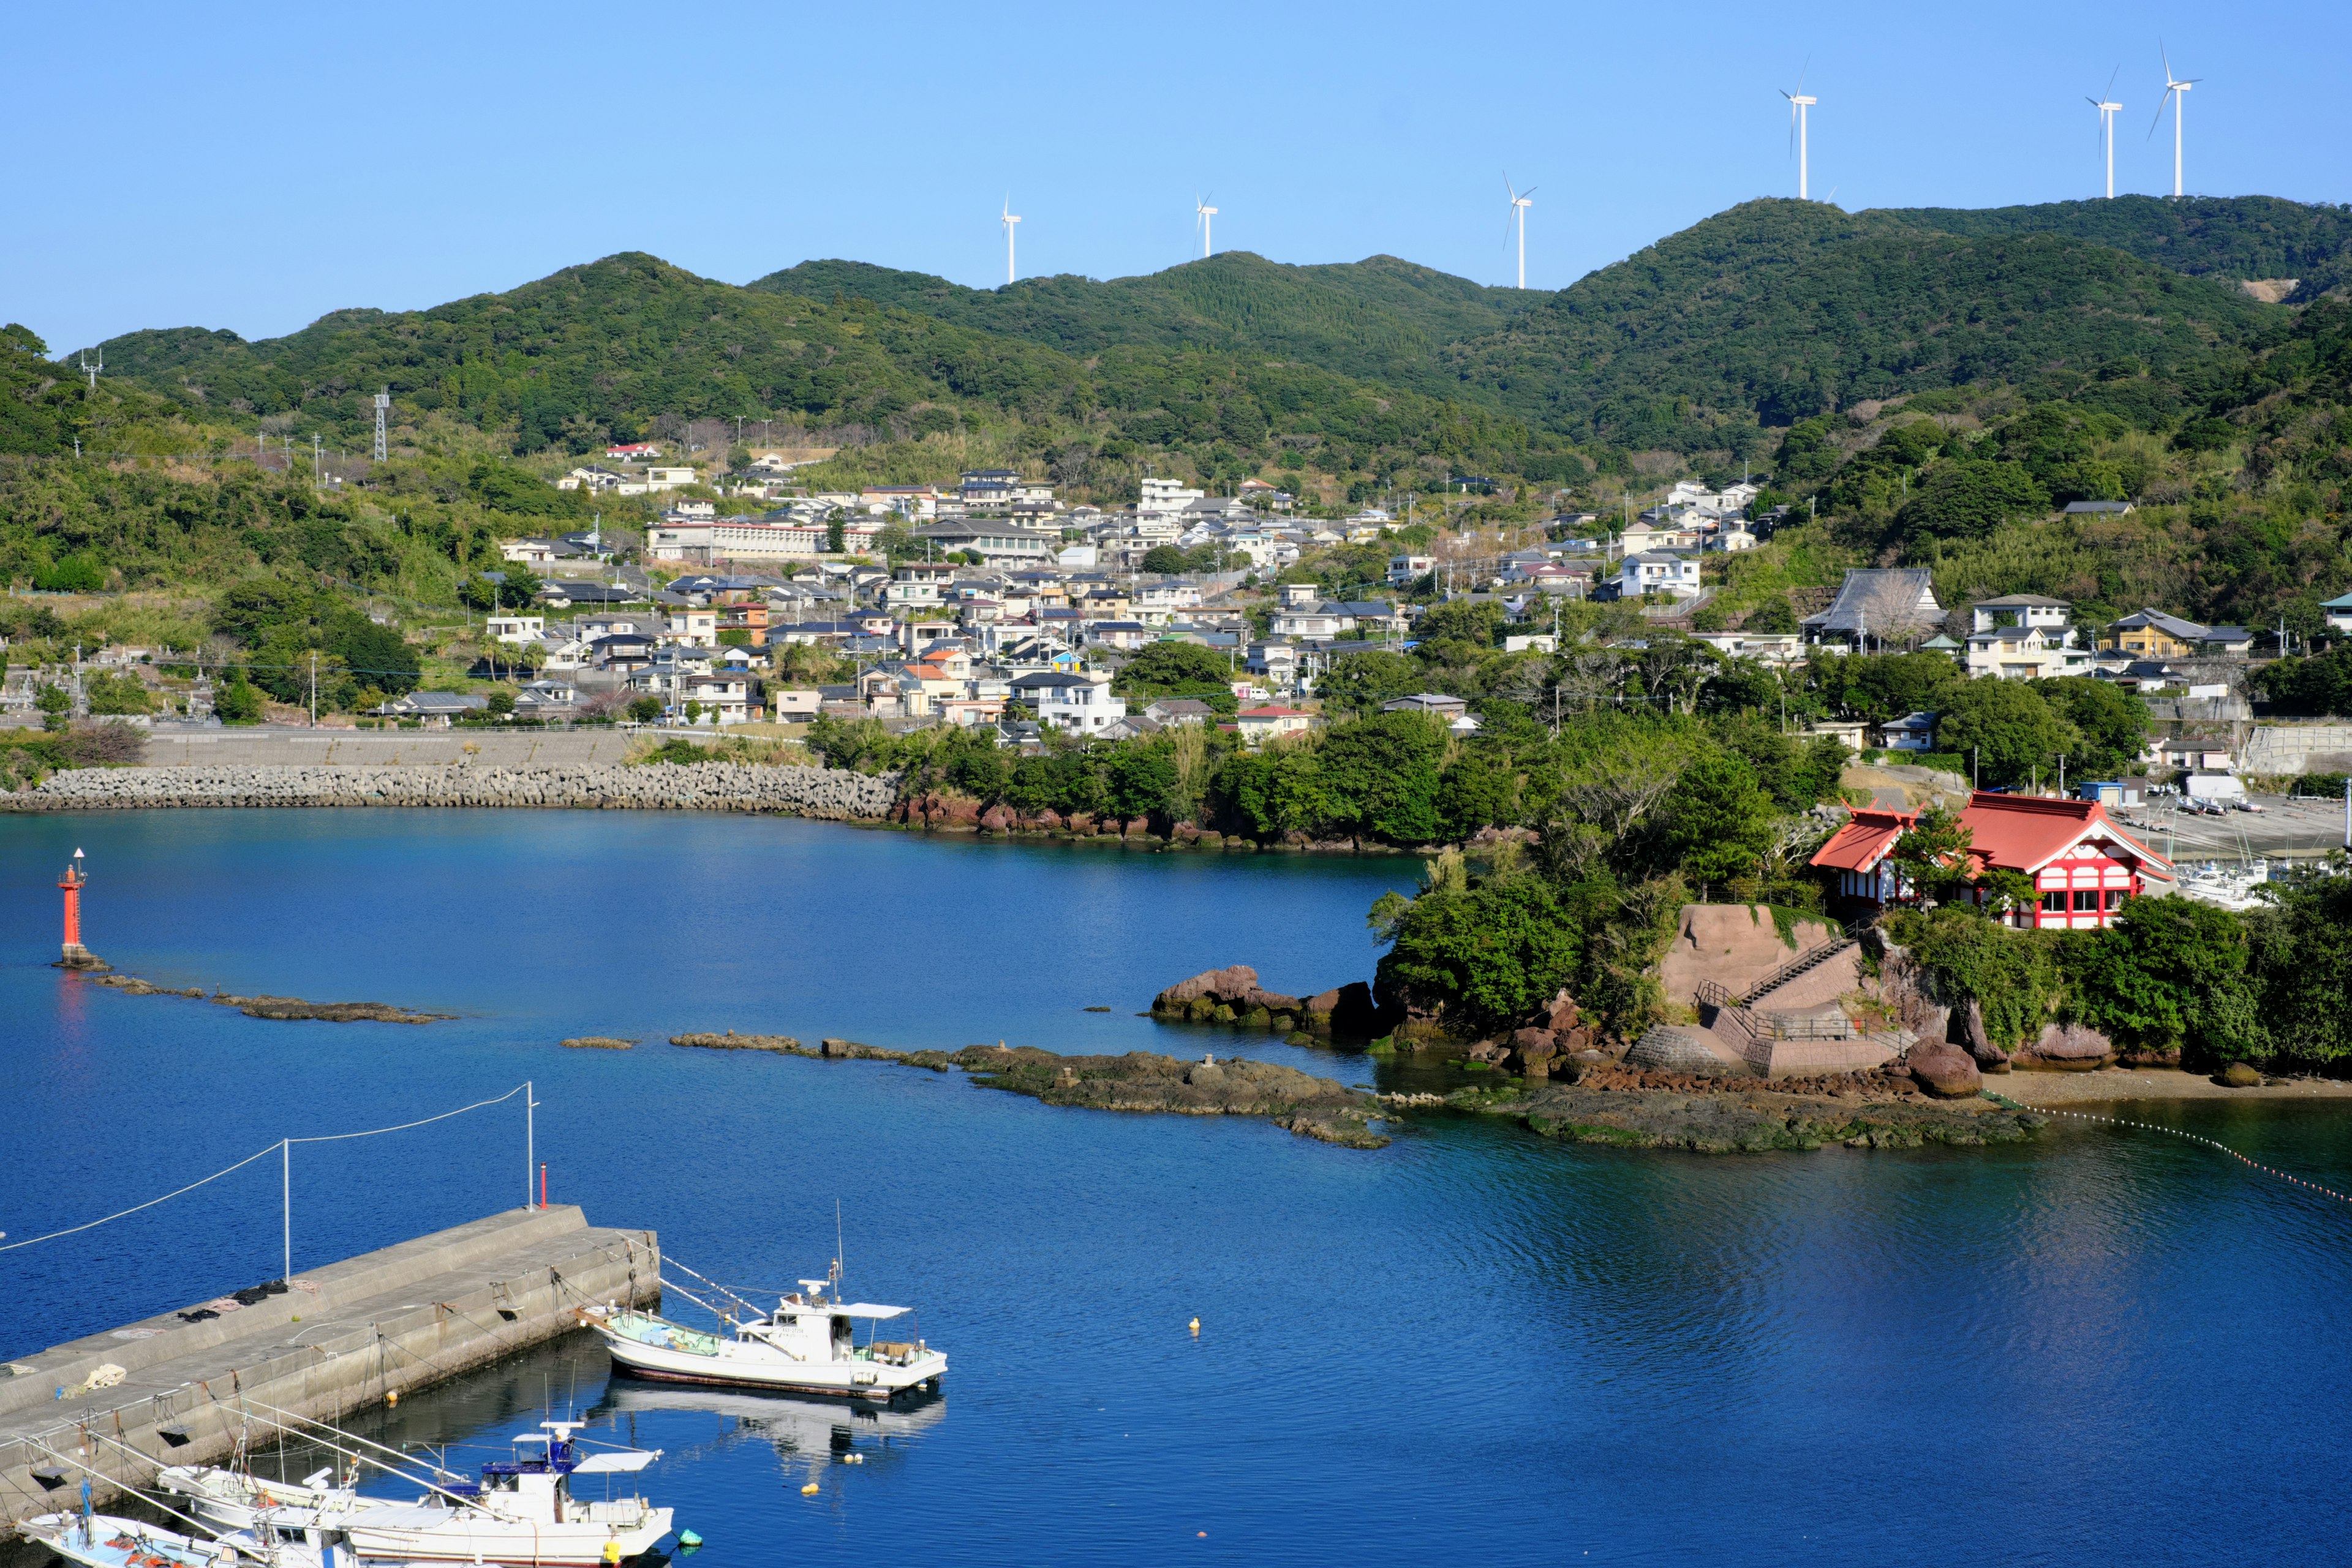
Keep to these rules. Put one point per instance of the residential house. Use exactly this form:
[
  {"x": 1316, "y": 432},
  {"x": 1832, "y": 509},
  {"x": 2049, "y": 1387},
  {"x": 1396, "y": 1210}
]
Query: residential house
[
  {"x": 1775, "y": 650},
  {"x": 2152, "y": 633},
  {"x": 744, "y": 625},
  {"x": 1658, "y": 572},
  {"x": 635, "y": 451},
  {"x": 548, "y": 700},
  {"x": 2098, "y": 509},
  {"x": 2338, "y": 611},
  {"x": 2025, "y": 637},
  {"x": 1082, "y": 704},
  {"x": 515, "y": 628},
  {"x": 1877, "y": 605},
  {"x": 1405, "y": 570},
  {"x": 1912, "y": 732},
  {"x": 1170, "y": 711},
  {"x": 433, "y": 709},
  {"x": 532, "y": 552},
  {"x": 694, "y": 626},
  {"x": 794, "y": 704},
  {"x": 563, "y": 594},
  {"x": 1258, "y": 725},
  {"x": 1436, "y": 703},
  {"x": 595, "y": 480},
  {"x": 623, "y": 653},
  {"x": 1125, "y": 636},
  {"x": 720, "y": 697},
  {"x": 1161, "y": 496}
]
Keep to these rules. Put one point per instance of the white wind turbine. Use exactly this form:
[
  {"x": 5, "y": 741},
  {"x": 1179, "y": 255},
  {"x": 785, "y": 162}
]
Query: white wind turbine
[
  {"x": 1798, "y": 127},
  {"x": 2178, "y": 92},
  {"x": 1519, "y": 206},
  {"x": 1010, "y": 219},
  {"x": 2107, "y": 108},
  {"x": 1204, "y": 218}
]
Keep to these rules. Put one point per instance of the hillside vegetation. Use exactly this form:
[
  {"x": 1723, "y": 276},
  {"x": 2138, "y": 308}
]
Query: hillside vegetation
[
  {"x": 1380, "y": 319},
  {"x": 1777, "y": 309},
  {"x": 2251, "y": 237}
]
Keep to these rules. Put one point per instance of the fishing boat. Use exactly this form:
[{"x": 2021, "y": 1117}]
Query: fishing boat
[
  {"x": 807, "y": 1344},
  {"x": 523, "y": 1511},
  {"x": 104, "y": 1540}
]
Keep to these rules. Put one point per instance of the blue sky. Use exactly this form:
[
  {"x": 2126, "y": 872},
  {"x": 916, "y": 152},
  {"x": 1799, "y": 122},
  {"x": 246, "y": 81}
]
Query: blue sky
[{"x": 252, "y": 167}]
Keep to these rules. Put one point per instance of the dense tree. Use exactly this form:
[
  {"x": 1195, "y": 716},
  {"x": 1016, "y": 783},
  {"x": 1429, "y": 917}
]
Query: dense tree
[
  {"x": 2008, "y": 729},
  {"x": 1358, "y": 683},
  {"x": 1717, "y": 822},
  {"x": 2169, "y": 973},
  {"x": 1177, "y": 669},
  {"x": 1966, "y": 499}
]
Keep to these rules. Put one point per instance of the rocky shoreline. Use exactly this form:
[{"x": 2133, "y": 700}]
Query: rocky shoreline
[
  {"x": 1724, "y": 1118},
  {"x": 283, "y": 1007},
  {"x": 829, "y": 793}
]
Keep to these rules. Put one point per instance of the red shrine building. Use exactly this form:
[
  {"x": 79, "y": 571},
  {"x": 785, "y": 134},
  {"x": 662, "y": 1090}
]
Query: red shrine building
[{"x": 2084, "y": 866}]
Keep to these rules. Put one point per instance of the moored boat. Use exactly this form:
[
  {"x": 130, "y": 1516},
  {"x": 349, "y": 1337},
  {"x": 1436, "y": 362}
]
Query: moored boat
[{"x": 807, "y": 1344}]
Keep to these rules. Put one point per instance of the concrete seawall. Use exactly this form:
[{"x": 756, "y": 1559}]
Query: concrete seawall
[
  {"x": 828, "y": 792},
  {"x": 383, "y": 1323}
]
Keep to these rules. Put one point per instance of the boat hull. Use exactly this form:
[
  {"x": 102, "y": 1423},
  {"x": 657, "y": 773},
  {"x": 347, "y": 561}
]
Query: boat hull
[
  {"x": 531, "y": 1546},
  {"x": 836, "y": 1380}
]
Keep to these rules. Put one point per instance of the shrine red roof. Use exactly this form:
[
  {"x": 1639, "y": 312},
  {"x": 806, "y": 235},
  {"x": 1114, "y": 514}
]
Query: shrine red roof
[
  {"x": 2025, "y": 833},
  {"x": 1864, "y": 840}
]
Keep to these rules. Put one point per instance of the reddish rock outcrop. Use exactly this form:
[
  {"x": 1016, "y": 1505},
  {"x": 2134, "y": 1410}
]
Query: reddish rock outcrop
[{"x": 1945, "y": 1071}]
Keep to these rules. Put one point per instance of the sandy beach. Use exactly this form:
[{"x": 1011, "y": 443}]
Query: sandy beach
[{"x": 2148, "y": 1083}]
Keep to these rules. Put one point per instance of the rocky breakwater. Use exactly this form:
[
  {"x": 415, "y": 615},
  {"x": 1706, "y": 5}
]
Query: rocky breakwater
[
  {"x": 828, "y": 792},
  {"x": 1139, "y": 1081},
  {"x": 282, "y": 1007}
]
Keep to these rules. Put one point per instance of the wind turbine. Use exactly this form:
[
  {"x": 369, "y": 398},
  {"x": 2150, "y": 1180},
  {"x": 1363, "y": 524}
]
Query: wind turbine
[
  {"x": 1010, "y": 219},
  {"x": 1519, "y": 206},
  {"x": 2107, "y": 107},
  {"x": 2177, "y": 92},
  {"x": 1798, "y": 133},
  {"x": 1203, "y": 219}
]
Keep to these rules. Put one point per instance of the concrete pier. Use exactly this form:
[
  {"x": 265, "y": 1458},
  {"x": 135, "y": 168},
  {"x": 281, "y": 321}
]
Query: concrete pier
[{"x": 378, "y": 1323}]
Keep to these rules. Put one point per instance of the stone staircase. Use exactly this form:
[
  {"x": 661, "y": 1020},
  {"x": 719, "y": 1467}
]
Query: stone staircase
[{"x": 1805, "y": 962}]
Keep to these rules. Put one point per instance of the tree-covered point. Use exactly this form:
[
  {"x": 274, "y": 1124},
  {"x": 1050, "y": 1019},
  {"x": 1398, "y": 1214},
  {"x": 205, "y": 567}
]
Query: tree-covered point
[{"x": 2252, "y": 238}]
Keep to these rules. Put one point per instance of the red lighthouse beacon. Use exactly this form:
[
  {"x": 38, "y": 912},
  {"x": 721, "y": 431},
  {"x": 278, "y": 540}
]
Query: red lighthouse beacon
[{"x": 75, "y": 955}]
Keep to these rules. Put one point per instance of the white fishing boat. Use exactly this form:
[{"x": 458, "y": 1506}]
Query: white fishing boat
[
  {"x": 808, "y": 1344},
  {"x": 225, "y": 1497},
  {"x": 525, "y": 1512},
  {"x": 103, "y": 1541}
]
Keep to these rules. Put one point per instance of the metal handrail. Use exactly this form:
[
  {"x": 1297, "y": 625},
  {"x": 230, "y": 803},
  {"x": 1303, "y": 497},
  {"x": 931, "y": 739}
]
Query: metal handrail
[{"x": 1818, "y": 954}]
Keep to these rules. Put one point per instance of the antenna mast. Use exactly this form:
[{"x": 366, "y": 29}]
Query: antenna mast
[{"x": 383, "y": 408}]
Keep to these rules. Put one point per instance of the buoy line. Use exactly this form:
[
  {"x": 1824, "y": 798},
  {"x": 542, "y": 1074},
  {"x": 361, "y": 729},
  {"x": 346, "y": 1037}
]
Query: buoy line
[{"x": 2176, "y": 1132}]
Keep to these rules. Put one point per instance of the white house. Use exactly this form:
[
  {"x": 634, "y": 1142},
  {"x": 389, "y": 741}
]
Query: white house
[
  {"x": 532, "y": 553},
  {"x": 1258, "y": 725},
  {"x": 1079, "y": 703},
  {"x": 693, "y": 627},
  {"x": 515, "y": 628},
  {"x": 724, "y": 696},
  {"x": 1658, "y": 572},
  {"x": 2025, "y": 637},
  {"x": 1165, "y": 496},
  {"x": 2338, "y": 611},
  {"x": 1405, "y": 569}
]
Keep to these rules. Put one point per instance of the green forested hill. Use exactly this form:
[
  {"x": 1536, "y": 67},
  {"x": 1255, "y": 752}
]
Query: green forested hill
[
  {"x": 600, "y": 351},
  {"x": 2223, "y": 237},
  {"x": 1785, "y": 308},
  {"x": 1380, "y": 319}
]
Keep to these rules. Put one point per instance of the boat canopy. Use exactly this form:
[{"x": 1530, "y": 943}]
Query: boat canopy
[
  {"x": 863, "y": 1309},
  {"x": 627, "y": 1459}
]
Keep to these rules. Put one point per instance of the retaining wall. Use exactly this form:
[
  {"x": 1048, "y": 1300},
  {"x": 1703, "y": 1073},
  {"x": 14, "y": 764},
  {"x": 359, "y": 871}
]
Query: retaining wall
[{"x": 829, "y": 792}]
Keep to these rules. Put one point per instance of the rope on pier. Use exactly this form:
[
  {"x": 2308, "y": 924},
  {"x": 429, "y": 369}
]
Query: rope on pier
[{"x": 2220, "y": 1148}]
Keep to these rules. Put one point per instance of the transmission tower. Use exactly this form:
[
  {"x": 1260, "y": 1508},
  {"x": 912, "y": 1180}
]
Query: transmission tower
[{"x": 383, "y": 408}]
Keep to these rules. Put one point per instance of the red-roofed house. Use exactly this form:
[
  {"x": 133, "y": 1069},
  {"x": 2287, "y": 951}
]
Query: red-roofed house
[
  {"x": 1859, "y": 852},
  {"x": 2084, "y": 866},
  {"x": 634, "y": 449}
]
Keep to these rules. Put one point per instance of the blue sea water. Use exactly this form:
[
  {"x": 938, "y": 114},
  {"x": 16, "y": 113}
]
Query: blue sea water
[{"x": 2106, "y": 1347}]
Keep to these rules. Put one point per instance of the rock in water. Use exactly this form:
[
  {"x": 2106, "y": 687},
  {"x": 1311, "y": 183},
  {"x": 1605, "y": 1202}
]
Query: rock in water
[
  {"x": 1946, "y": 1072},
  {"x": 1231, "y": 987}
]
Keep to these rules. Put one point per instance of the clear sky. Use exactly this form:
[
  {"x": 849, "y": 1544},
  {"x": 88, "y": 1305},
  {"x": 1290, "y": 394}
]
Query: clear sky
[{"x": 255, "y": 166}]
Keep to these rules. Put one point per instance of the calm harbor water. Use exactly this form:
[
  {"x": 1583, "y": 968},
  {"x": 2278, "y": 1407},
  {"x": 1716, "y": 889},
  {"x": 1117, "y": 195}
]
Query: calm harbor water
[{"x": 2107, "y": 1348}]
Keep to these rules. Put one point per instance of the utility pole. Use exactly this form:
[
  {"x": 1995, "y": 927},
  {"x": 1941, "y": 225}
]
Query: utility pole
[{"x": 314, "y": 691}]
